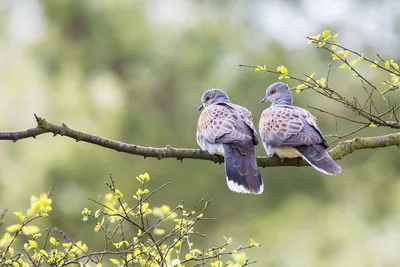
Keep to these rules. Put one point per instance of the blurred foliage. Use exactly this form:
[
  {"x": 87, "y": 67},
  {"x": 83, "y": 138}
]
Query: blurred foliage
[
  {"x": 134, "y": 72},
  {"x": 134, "y": 235}
]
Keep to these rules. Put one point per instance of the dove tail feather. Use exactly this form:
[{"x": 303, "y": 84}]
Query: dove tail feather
[
  {"x": 242, "y": 173},
  {"x": 318, "y": 158}
]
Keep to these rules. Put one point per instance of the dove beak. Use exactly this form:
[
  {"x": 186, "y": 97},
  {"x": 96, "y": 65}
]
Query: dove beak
[
  {"x": 264, "y": 99},
  {"x": 201, "y": 107}
]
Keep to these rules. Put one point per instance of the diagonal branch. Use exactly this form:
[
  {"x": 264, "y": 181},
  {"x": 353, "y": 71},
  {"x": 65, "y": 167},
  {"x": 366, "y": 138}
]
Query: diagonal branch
[{"x": 341, "y": 150}]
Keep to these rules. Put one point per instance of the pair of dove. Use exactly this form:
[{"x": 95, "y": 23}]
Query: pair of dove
[{"x": 288, "y": 131}]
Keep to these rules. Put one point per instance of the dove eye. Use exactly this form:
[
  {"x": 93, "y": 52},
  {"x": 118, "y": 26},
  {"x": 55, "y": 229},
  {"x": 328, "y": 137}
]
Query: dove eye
[{"x": 272, "y": 92}]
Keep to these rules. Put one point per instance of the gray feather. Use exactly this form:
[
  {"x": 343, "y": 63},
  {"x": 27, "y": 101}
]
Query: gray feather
[
  {"x": 318, "y": 158},
  {"x": 309, "y": 135},
  {"x": 242, "y": 171}
]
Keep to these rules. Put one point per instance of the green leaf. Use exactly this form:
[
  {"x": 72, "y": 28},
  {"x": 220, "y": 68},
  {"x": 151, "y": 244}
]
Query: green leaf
[
  {"x": 387, "y": 64},
  {"x": 372, "y": 125}
]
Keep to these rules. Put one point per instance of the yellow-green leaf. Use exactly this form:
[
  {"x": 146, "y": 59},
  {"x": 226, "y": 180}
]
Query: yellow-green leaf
[
  {"x": 372, "y": 125},
  {"x": 118, "y": 194},
  {"x": 387, "y": 64},
  {"x": 228, "y": 240},
  {"x": 240, "y": 258},
  {"x": 344, "y": 66},
  {"x": 321, "y": 81},
  {"x": 53, "y": 241},
  {"x": 301, "y": 86},
  {"x": 20, "y": 215},
  {"x": 309, "y": 77},
  {"x": 334, "y": 47},
  {"x": 114, "y": 261},
  {"x": 44, "y": 253},
  {"x": 326, "y": 34},
  {"x": 216, "y": 264},
  {"x": 253, "y": 244},
  {"x": 13, "y": 228},
  {"x": 261, "y": 68},
  {"x": 395, "y": 65},
  {"x": 334, "y": 57},
  {"x": 346, "y": 54},
  {"x": 33, "y": 243},
  {"x": 355, "y": 61},
  {"x": 282, "y": 70},
  {"x": 158, "y": 231}
]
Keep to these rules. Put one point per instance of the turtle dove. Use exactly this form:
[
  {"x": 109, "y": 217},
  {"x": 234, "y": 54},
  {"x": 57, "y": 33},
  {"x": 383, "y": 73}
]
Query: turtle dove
[
  {"x": 292, "y": 132},
  {"x": 227, "y": 129}
]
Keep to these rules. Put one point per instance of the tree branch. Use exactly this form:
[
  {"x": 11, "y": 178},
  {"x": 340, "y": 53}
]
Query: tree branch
[{"x": 341, "y": 150}]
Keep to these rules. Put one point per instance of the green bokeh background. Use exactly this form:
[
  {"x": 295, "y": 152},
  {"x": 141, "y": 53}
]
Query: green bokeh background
[{"x": 134, "y": 71}]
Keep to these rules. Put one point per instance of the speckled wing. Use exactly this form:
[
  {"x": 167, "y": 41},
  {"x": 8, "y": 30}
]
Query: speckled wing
[
  {"x": 289, "y": 126},
  {"x": 247, "y": 117},
  {"x": 289, "y": 131},
  {"x": 220, "y": 123}
]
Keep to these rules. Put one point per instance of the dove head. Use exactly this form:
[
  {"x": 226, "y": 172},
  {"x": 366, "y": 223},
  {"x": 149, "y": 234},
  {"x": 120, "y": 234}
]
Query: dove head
[
  {"x": 212, "y": 96},
  {"x": 279, "y": 94}
]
